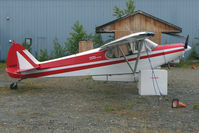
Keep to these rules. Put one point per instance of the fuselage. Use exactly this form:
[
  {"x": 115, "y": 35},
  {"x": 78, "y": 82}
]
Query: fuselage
[{"x": 95, "y": 62}]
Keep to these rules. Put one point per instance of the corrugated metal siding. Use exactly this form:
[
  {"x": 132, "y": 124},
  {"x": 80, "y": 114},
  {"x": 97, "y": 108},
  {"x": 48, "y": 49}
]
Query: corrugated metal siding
[
  {"x": 183, "y": 13},
  {"x": 42, "y": 20}
]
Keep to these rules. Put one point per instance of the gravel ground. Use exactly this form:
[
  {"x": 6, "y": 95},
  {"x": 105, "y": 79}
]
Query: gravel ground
[{"x": 79, "y": 104}]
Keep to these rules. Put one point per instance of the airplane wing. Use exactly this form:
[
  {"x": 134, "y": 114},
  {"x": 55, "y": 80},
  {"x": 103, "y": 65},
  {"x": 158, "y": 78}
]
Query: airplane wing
[{"x": 130, "y": 38}]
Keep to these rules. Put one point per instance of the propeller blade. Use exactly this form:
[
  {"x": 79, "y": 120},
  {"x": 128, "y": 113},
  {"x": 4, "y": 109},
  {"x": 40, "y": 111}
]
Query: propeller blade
[
  {"x": 186, "y": 42},
  {"x": 175, "y": 35}
]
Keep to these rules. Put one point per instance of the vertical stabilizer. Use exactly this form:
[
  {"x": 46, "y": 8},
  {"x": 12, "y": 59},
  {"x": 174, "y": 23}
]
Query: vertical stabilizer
[{"x": 19, "y": 60}]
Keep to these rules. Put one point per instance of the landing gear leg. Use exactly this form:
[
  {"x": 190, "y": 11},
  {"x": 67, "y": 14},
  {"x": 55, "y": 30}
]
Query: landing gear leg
[
  {"x": 13, "y": 86},
  {"x": 168, "y": 65}
]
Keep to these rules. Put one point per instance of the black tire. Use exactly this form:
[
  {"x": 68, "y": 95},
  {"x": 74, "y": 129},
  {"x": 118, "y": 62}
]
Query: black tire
[{"x": 13, "y": 86}]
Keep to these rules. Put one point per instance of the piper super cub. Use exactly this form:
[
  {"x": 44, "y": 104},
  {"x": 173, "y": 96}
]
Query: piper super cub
[{"x": 119, "y": 60}]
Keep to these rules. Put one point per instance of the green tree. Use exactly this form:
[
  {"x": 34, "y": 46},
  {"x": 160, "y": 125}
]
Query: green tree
[
  {"x": 43, "y": 55},
  {"x": 77, "y": 35},
  {"x": 97, "y": 40},
  {"x": 130, "y": 7},
  {"x": 58, "y": 50}
]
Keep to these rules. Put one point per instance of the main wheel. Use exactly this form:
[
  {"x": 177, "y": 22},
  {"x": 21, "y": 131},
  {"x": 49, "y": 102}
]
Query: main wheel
[{"x": 13, "y": 86}]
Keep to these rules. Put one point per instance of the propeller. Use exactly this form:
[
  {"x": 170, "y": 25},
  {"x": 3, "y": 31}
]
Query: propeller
[
  {"x": 186, "y": 42},
  {"x": 176, "y": 35},
  {"x": 179, "y": 36}
]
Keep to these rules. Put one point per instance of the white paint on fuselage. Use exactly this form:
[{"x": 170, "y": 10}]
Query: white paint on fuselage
[{"x": 122, "y": 68}]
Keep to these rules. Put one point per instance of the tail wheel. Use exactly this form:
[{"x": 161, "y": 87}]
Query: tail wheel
[{"x": 13, "y": 86}]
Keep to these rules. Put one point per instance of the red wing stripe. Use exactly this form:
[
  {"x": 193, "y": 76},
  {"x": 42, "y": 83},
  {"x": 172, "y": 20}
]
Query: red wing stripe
[{"x": 34, "y": 75}]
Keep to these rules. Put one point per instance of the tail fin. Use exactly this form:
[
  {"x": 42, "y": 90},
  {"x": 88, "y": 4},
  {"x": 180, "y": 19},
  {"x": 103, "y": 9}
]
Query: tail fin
[{"x": 19, "y": 59}]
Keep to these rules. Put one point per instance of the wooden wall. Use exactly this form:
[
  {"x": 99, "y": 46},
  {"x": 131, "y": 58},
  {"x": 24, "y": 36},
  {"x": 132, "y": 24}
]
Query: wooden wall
[
  {"x": 85, "y": 45},
  {"x": 138, "y": 23}
]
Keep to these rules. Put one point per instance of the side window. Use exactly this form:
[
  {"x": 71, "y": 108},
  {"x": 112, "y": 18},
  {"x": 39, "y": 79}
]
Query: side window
[
  {"x": 113, "y": 52},
  {"x": 110, "y": 53},
  {"x": 127, "y": 48},
  {"x": 136, "y": 46}
]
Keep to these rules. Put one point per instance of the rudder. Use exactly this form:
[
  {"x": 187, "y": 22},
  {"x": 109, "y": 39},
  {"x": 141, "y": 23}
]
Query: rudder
[{"x": 19, "y": 60}]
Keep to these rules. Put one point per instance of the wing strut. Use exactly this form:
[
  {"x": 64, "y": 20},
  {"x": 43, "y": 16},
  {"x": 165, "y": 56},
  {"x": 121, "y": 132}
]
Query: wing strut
[
  {"x": 126, "y": 60},
  {"x": 138, "y": 56},
  {"x": 137, "y": 60}
]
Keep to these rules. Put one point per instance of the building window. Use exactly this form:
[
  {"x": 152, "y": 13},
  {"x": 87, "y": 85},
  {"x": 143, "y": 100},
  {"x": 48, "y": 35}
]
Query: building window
[{"x": 28, "y": 41}]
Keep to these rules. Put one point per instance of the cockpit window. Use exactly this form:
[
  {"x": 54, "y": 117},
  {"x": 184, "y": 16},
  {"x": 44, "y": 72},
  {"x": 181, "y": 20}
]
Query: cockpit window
[
  {"x": 110, "y": 53},
  {"x": 114, "y": 52},
  {"x": 127, "y": 48}
]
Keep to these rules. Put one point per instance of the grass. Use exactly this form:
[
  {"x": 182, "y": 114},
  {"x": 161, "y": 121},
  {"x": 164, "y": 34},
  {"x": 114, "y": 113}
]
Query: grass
[
  {"x": 155, "y": 131},
  {"x": 2, "y": 66},
  {"x": 196, "y": 106},
  {"x": 90, "y": 87},
  {"x": 120, "y": 109},
  {"x": 130, "y": 105},
  {"x": 4, "y": 89},
  {"x": 187, "y": 63},
  {"x": 108, "y": 108},
  {"x": 139, "y": 102}
]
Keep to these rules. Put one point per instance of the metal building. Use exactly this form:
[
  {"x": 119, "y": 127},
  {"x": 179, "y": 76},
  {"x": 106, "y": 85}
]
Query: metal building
[{"x": 43, "y": 20}]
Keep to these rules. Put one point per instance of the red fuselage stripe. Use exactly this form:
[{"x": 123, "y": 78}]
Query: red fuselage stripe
[
  {"x": 99, "y": 56},
  {"x": 86, "y": 58},
  {"x": 34, "y": 75}
]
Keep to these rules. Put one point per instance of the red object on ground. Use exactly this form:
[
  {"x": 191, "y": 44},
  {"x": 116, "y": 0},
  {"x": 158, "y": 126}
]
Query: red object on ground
[
  {"x": 176, "y": 103},
  {"x": 181, "y": 104},
  {"x": 193, "y": 67}
]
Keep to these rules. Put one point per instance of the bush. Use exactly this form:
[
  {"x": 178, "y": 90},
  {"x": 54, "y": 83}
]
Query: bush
[
  {"x": 43, "y": 55},
  {"x": 182, "y": 63},
  {"x": 193, "y": 55},
  {"x": 97, "y": 40},
  {"x": 58, "y": 50}
]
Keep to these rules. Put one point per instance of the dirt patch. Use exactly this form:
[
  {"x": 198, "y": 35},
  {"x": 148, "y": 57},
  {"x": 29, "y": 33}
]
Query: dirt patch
[{"x": 79, "y": 104}]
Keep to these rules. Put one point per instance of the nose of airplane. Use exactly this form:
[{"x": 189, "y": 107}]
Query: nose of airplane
[{"x": 188, "y": 48}]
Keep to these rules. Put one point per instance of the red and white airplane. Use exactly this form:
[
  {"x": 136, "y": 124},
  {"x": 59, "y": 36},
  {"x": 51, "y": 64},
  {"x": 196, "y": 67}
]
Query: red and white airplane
[{"x": 118, "y": 60}]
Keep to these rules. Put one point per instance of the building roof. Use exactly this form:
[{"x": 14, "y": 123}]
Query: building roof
[{"x": 136, "y": 12}]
